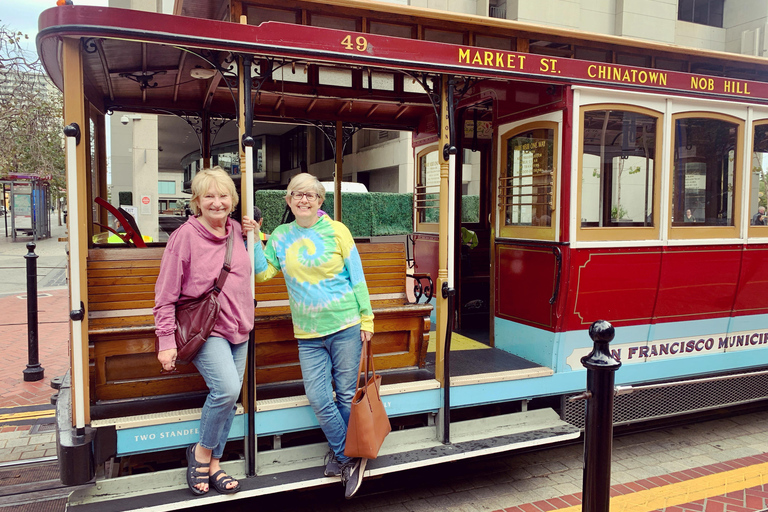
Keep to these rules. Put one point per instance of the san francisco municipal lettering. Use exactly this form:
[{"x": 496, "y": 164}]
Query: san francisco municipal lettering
[{"x": 640, "y": 352}]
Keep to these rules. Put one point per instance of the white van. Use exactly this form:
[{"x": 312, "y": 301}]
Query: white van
[{"x": 346, "y": 186}]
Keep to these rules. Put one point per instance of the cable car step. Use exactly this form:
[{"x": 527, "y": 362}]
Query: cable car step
[{"x": 300, "y": 467}]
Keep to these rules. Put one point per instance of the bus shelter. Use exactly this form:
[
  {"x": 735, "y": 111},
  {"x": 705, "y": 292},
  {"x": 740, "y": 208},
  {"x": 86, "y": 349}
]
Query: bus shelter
[{"x": 28, "y": 201}]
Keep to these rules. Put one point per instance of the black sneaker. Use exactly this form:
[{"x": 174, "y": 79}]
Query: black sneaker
[
  {"x": 352, "y": 476},
  {"x": 332, "y": 466}
]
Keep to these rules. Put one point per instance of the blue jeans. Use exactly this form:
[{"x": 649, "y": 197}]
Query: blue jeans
[
  {"x": 222, "y": 365},
  {"x": 325, "y": 362}
]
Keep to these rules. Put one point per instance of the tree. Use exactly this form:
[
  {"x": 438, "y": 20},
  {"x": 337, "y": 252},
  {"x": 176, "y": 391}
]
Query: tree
[{"x": 31, "y": 138}]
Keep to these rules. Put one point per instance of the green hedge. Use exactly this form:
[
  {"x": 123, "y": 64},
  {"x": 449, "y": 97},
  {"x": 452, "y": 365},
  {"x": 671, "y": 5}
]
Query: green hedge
[
  {"x": 366, "y": 215},
  {"x": 470, "y": 209},
  {"x": 391, "y": 214}
]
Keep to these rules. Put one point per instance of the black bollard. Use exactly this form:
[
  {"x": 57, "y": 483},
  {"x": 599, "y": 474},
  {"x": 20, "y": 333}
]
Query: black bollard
[
  {"x": 34, "y": 371},
  {"x": 598, "y": 434}
]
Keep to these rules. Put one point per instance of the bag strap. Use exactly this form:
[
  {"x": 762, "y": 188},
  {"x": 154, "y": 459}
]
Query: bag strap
[
  {"x": 366, "y": 364},
  {"x": 227, "y": 265}
]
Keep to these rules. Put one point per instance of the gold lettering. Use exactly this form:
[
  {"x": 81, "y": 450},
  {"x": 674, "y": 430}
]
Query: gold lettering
[
  {"x": 727, "y": 86},
  {"x": 745, "y": 89},
  {"x": 642, "y": 76},
  {"x": 663, "y": 79},
  {"x": 702, "y": 83},
  {"x": 476, "y": 59},
  {"x": 601, "y": 72},
  {"x": 488, "y": 58},
  {"x": 591, "y": 71},
  {"x": 634, "y": 76},
  {"x": 626, "y": 78},
  {"x": 499, "y": 60},
  {"x": 510, "y": 61},
  {"x": 464, "y": 56},
  {"x": 521, "y": 58},
  {"x": 544, "y": 65}
]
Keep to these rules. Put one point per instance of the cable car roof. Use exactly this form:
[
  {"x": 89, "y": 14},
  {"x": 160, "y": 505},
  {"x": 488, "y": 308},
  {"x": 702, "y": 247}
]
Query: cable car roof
[{"x": 147, "y": 62}]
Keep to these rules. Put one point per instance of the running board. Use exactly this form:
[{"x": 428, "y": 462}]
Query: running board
[{"x": 301, "y": 467}]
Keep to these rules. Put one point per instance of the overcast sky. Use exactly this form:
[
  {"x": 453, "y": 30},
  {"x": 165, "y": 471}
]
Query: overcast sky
[{"x": 22, "y": 15}]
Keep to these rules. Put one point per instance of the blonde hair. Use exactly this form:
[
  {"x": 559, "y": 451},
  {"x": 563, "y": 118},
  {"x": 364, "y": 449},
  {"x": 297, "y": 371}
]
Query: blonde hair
[
  {"x": 203, "y": 181},
  {"x": 306, "y": 182}
]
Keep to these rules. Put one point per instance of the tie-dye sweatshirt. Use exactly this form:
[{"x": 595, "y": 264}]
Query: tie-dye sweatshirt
[{"x": 323, "y": 274}]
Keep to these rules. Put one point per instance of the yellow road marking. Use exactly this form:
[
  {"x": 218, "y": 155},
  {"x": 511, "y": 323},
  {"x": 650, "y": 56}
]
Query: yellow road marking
[
  {"x": 688, "y": 491},
  {"x": 29, "y": 415}
]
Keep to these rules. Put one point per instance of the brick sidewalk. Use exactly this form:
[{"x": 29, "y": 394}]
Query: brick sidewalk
[
  {"x": 721, "y": 487},
  {"x": 53, "y": 348}
]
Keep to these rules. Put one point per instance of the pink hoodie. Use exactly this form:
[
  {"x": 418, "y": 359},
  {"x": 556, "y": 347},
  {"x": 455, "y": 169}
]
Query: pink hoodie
[{"x": 191, "y": 263}]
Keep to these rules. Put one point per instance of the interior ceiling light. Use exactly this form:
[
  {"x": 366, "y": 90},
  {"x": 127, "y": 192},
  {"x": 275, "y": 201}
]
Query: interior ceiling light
[{"x": 202, "y": 73}]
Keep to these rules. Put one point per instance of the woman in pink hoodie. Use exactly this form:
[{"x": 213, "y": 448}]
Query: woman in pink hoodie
[{"x": 191, "y": 263}]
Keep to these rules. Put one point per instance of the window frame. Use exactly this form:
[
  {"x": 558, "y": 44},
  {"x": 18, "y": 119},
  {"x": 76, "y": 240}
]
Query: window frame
[
  {"x": 754, "y": 231},
  {"x": 423, "y": 227},
  {"x": 693, "y": 231},
  {"x": 172, "y": 182},
  {"x": 548, "y": 233},
  {"x": 613, "y": 233},
  {"x": 709, "y": 5}
]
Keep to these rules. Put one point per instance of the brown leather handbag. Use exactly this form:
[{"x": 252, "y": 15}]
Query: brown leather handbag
[
  {"x": 368, "y": 421},
  {"x": 195, "y": 319}
]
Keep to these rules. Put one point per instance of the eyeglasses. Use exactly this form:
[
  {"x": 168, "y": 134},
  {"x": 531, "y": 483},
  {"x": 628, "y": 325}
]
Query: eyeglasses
[{"x": 311, "y": 196}]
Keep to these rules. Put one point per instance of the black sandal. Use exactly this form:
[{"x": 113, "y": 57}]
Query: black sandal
[
  {"x": 195, "y": 477},
  {"x": 221, "y": 485}
]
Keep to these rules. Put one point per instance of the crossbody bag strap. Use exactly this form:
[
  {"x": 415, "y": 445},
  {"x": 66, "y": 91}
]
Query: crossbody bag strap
[{"x": 227, "y": 265}]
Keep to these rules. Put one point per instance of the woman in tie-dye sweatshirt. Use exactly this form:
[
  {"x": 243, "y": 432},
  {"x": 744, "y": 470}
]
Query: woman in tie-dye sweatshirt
[{"x": 331, "y": 312}]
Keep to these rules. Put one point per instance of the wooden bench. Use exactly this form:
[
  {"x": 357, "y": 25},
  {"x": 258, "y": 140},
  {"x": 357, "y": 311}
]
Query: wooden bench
[{"x": 123, "y": 365}]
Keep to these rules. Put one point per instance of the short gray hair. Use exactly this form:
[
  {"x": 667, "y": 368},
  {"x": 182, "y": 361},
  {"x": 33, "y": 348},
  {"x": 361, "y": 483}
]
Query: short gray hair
[{"x": 306, "y": 182}]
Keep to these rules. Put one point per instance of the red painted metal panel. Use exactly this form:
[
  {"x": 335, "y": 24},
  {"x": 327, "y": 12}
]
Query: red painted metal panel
[
  {"x": 426, "y": 249},
  {"x": 752, "y": 298},
  {"x": 525, "y": 282},
  {"x": 618, "y": 285},
  {"x": 698, "y": 282}
]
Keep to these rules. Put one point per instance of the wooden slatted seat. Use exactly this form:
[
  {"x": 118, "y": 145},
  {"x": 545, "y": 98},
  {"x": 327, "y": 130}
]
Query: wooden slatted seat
[
  {"x": 402, "y": 329},
  {"x": 121, "y": 285}
]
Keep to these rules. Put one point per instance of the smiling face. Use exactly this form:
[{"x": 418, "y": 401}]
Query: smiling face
[
  {"x": 214, "y": 206},
  {"x": 304, "y": 205}
]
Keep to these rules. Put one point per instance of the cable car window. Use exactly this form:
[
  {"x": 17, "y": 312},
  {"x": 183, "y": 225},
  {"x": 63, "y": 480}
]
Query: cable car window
[
  {"x": 620, "y": 180},
  {"x": 618, "y": 169},
  {"x": 427, "y": 193},
  {"x": 703, "y": 172},
  {"x": 758, "y": 201},
  {"x": 527, "y": 182}
]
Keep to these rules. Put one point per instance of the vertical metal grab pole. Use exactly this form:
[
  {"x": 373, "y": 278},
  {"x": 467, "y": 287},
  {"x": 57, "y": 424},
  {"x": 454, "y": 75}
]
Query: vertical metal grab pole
[
  {"x": 598, "y": 434},
  {"x": 33, "y": 371},
  {"x": 246, "y": 191}
]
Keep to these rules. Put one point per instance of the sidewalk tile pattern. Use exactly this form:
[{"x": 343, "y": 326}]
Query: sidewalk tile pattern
[{"x": 727, "y": 486}]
